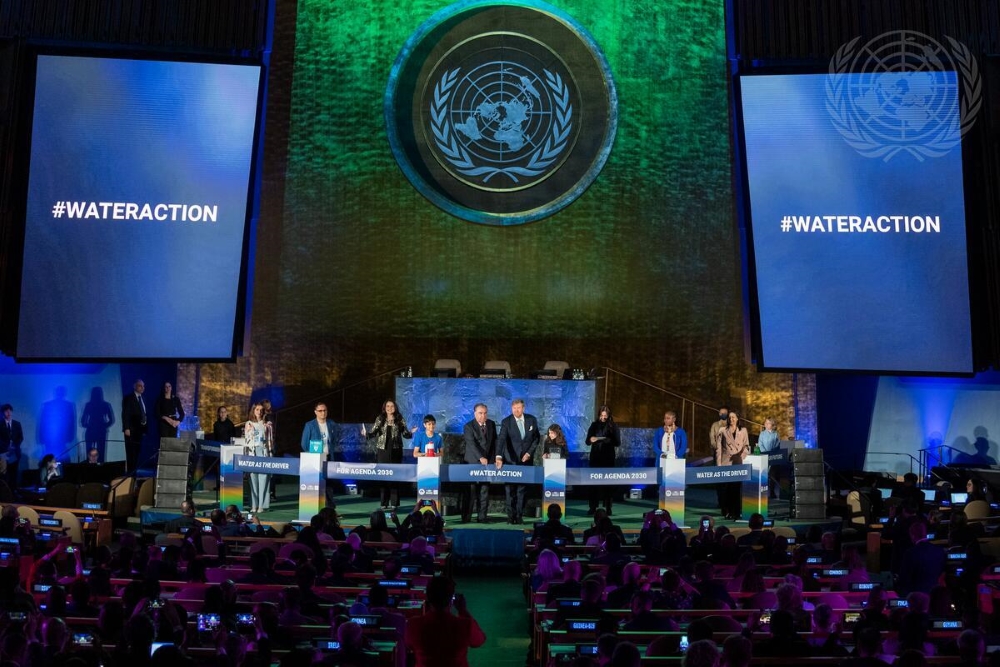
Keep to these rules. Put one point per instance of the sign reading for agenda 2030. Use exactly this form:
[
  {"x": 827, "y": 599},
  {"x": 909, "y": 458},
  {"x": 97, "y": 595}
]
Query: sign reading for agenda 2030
[{"x": 501, "y": 113}]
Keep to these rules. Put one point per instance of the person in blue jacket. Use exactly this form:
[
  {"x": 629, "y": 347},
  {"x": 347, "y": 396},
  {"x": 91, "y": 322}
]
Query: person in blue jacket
[{"x": 670, "y": 439}]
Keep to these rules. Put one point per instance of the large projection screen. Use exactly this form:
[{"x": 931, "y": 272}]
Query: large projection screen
[
  {"x": 138, "y": 193},
  {"x": 857, "y": 230}
]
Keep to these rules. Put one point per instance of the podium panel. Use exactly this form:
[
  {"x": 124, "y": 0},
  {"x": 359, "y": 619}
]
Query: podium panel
[
  {"x": 554, "y": 485},
  {"x": 673, "y": 480}
]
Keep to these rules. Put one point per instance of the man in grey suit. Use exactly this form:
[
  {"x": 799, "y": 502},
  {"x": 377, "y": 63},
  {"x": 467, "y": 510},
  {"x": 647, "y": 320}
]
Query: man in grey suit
[
  {"x": 516, "y": 446},
  {"x": 480, "y": 437}
]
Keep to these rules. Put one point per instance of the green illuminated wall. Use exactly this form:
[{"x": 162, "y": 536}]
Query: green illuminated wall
[{"x": 641, "y": 273}]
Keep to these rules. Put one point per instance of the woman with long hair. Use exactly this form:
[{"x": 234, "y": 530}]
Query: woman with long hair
[
  {"x": 603, "y": 440},
  {"x": 555, "y": 443},
  {"x": 169, "y": 412},
  {"x": 259, "y": 442},
  {"x": 732, "y": 447},
  {"x": 388, "y": 431}
]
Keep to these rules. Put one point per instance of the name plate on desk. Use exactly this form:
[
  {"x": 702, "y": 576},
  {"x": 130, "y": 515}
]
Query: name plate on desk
[
  {"x": 266, "y": 465},
  {"x": 489, "y": 473},
  {"x": 389, "y": 472},
  {"x": 716, "y": 474},
  {"x": 608, "y": 476}
]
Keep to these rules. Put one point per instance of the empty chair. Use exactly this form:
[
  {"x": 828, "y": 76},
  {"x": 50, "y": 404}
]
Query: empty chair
[
  {"x": 92, "y": 493},
  {"x": 558, "y": 367},
  {"x": 447, "y": 368},
  {"x": 121, "y": 496},
  {"x": 145, "y": 496},
  {"x": 861, "y": 509},
  {"x": 71, "y": 525},
  {"x": 28, "y": 513},
  {"x": 496, "y": 367},
  {"x": 977, "y": 510},
  {"x": 62, "y": 494}
]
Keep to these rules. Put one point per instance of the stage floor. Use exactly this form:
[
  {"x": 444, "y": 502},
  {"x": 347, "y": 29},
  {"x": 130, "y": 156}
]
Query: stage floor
[{"x": 356, "y": 509}]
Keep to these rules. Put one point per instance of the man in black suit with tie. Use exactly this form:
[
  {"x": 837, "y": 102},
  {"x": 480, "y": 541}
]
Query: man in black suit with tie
[
  {"x": 11, "y": 437},
  {"x": 516, "y": 446},
  {"x": 134, "y": 424},
  {"x": 480, "y": 437}
]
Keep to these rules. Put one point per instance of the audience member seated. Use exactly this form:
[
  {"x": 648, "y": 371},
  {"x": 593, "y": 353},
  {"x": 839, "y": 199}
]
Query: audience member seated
[
  {"x": 290, "y": 609},
  {"x": 418, "y": 554},
  {"x": 753, "y": 582},
  {"x": 857, "y": 570},
  {"x": 547, "y": 571},
  {"x": 601, "y": 527},
  {"x": 620, "y": 597},
  {"x": 784, "y": 641},
  {"x": 908, "y": 491},
  {"x": 553, "y": 529},
  {"x": 825, "y": 638},
  {"x": 726, "y": 553},
  {"x": 712, "y": 593},
  {"x": 675, "y": 592},
  {"x": 913, "y": 634},
  {"x": 627, "y": 655},
  {"x": 49, "y": 471},
  {"x": 80, "y": 605},
  {"x": 331, "y": 523},
  {"x": 378, "y": 529},
  {"x": 591, "y": 604},
  {"x": 353, "y": 651},
  {"x": 643, "y": 619},
  {"x": 569, "y": 587},
  {"x": 971, "y": 648},
  {"x": 867, "y": 650},
  {"x": 745, "y": 564},
  {"x": 737, "y": 651},
  {"x": 752, "y": 538},
  {"x": 185, "y": 521},
  {"x": 702, "y": 653},
  {"x": 790, "y": 599}
]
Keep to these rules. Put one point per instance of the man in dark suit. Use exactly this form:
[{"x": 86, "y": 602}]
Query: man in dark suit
[
  {"x": 134, "y": 424},
  {"x": 516, "y": 446},
  {"x": 11, "y": 437},
  {"x": 480, "y": 437},
  {"x": 325, "y": 430}
]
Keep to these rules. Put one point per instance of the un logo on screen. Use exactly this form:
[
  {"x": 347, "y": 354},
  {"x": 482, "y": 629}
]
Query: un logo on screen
[
  {"x": 903, "y": 92},
  {"x": 501, "y": 113}
]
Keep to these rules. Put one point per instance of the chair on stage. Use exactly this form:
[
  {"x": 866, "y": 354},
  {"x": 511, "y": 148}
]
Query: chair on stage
[
  {"x": 447, "y": 368},
  {"x": 559, "y": 368},
  {"x": 496, "y": 368}
]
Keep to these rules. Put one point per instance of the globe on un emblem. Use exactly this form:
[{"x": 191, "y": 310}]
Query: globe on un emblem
[{"x": 501, "y": 114}]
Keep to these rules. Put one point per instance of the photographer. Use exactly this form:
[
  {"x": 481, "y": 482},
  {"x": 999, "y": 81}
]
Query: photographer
[{"x": 438, "y": 637}]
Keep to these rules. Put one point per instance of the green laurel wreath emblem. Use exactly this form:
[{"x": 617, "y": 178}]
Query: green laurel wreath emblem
[{"x": 458, "y": 156}]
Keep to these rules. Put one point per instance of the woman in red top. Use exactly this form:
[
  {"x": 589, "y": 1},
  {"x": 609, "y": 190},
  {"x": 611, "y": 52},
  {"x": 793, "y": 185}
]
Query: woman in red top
[{"x": 438, "y": 637}]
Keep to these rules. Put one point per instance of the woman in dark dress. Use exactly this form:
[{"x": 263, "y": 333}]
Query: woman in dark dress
[
  {"x": 603, "y": 438},
  {"x": 169, "y": 413},
  {"x": 389, "y": 430}
]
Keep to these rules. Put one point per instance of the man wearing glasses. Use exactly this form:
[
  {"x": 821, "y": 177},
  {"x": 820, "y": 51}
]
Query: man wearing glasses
[{"x": 325, "y": 430}]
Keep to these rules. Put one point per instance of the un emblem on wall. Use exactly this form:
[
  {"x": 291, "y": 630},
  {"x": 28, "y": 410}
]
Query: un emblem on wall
[{"x": 501, "y": 114}]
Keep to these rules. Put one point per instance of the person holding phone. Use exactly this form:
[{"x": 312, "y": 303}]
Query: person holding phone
[{"x": 439, "y": 637}]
